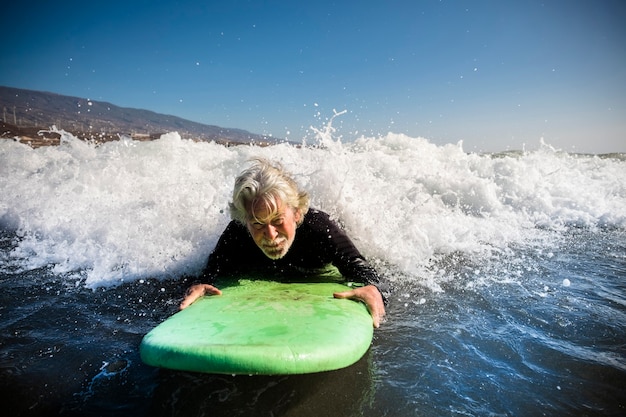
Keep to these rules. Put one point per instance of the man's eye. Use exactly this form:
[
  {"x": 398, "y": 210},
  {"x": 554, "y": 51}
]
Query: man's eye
[{"x": 258, "y": 226}]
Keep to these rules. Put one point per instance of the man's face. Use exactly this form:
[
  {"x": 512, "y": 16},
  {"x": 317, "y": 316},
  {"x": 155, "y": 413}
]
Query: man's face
[{"x": 273, "y": 232}]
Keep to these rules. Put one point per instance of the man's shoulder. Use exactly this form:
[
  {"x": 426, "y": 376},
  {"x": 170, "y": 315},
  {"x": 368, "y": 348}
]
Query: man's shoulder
[
  {"x": 320, "y": 221},
  {"x": 234, "y": 228},
  {"x": 315, "y": 216},
  {"x": 235, "y": 225}
]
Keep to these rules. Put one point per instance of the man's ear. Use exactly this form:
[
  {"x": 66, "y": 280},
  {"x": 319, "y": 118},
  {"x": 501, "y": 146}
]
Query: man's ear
[{"x": 297, "y": 215}]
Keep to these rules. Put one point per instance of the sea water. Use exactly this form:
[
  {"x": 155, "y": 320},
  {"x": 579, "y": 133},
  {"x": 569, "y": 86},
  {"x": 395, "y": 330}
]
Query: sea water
[{"x": 508, "y": 273}]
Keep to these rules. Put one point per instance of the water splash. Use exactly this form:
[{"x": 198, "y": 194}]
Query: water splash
[{"x": 126, "y": 210}]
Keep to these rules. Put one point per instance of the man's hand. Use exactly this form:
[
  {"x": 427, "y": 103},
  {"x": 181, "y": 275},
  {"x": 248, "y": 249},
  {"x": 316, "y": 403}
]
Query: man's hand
[
  {"x": 372, "y": 299},
  {"x": 196, "y": 291}
]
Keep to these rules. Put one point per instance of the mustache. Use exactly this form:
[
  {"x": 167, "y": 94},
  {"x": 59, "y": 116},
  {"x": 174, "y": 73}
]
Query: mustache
[{"x": 272, "y": 243}]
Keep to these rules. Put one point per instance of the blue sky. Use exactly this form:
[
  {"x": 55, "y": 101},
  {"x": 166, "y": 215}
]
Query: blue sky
[{"x": 496, "y": 74}]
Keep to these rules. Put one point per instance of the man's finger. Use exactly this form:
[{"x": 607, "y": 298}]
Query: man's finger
[
  {"x": 197, "y": 291},
  {"x": 373, "y": 308},
  {"x": 344, "y": 294}
]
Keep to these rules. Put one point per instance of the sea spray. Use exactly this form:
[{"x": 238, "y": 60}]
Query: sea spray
[{"x": 128, "y": 210}]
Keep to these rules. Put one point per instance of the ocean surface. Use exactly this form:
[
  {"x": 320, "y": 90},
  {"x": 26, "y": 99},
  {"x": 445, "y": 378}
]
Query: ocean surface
[{"x": 508, "y": 273}]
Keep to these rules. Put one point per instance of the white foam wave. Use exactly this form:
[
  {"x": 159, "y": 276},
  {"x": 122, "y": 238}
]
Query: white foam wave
[{"x": 129, "y": 210}]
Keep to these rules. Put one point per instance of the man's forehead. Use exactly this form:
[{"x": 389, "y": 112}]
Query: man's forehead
[{"x": 265, "y": 210}]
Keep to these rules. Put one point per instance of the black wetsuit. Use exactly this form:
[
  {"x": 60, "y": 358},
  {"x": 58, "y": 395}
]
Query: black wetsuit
[{"x": 319, "y": 242}]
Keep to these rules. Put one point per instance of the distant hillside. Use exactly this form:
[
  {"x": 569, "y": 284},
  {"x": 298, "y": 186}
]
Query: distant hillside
[{"x": 30, "y": 111}]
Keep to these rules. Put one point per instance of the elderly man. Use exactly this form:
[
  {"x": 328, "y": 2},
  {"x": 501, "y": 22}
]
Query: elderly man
[{"x": 273, "y": 231}]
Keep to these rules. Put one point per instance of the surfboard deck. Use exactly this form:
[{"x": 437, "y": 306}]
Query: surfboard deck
[{"x": 263, "y": 328}]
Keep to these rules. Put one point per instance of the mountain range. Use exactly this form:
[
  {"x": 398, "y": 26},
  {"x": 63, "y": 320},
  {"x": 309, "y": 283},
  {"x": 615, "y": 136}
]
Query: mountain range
[{"x": 26, "y": 113}]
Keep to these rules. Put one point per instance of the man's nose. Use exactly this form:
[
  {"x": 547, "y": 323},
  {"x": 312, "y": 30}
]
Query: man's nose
[{"x": 270, "y": 231}]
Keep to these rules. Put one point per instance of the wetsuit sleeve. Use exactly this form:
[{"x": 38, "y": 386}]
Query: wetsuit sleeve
[
  {"x": 223, "y": 260},
  {"x": 349, "y": 260}
]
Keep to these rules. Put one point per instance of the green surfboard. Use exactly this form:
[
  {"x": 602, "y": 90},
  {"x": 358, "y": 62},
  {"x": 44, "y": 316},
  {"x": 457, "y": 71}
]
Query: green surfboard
[{"x": 263, "y": 328}]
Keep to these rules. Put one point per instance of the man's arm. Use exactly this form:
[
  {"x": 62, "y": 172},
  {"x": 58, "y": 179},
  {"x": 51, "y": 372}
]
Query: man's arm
[
  {"x": 218, "y": 263},
  {"x": 352, "y": 265}
]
